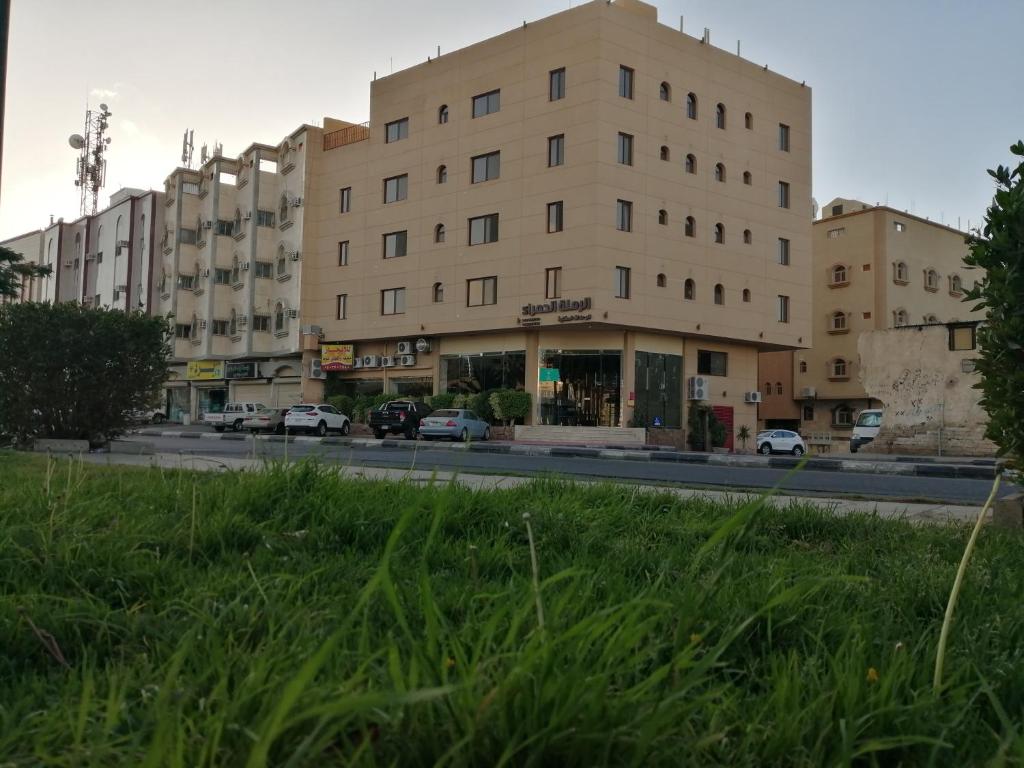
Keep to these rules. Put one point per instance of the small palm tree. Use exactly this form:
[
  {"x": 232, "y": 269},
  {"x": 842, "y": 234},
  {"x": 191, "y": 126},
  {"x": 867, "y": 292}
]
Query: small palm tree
[{"x": 743, "y": 434}]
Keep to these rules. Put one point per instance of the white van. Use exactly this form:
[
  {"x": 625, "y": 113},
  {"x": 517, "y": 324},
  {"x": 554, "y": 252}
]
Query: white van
[{"x": 866, "y": 428}]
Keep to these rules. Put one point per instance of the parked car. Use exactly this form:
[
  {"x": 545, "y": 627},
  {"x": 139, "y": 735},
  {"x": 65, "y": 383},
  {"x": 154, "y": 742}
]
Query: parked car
[
  {"x": 149, "y": 416},
  {"x": 455, "y": 423},
  {"x": 866, "y": 429},
  {"x": 319, "y": 418},
  {"x": 232, "y": 416},
  {"x": 266, "y": 420},
  {"x": 398, "y": 416},
  {"x": 780, "y": 441}
]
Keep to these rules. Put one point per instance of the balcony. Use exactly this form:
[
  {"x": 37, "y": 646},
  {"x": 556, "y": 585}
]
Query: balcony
[{"x": 347, "y": 135}]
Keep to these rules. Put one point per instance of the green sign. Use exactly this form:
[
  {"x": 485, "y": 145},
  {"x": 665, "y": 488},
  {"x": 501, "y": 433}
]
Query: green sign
[{"x": 549, "y": 374}]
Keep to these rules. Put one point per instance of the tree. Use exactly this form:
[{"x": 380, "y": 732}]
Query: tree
[
  {"x": 67, "y": 371},
  {"x": 510, "y": 405},
  {"x": 14, "y": 270},
  {"x": 998, "y": 250},
  {"x": 695, "y": 436}
]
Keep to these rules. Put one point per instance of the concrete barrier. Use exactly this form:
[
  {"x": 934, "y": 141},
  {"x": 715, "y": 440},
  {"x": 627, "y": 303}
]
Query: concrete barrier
[{"x": 52, "y": 445}]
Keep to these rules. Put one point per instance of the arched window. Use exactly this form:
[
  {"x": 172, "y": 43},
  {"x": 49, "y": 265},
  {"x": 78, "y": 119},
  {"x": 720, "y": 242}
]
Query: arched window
[
  {"x": 838, "y": 368},
  {"x": 233, "y": 325},
  {"x": 778, "y": 387},
  {"x": 236, "y": 225},
  {"x": 748, "y": 121},
  {"x": 748, "y": 238},
  {"x": 747, "y": 178},
  {"x": 720, "y": 116},
  {"x": 282, "y": 261},
  {"x": 900, "y": 273},
  {"x": 193, "y": 329},
  {"x": 838, "y": 274},
  {"x": 663, "y": 216},
  {"x": 691, "y": 164},
  {"x": 690, "y": 230},
  {"x": 442, "y": 114},
  {"x": 662, "y": 280},
  {"x": 767, "y": 387},
  {"x": 803, "y": 366},
  {"x": 236, "y": 273},
  {"x": 719, "y": 172},
  {"x": 930, "y": 320},
  {"x": 746, "y": 295},
  {"x": 837, "y": 321},
  {"x": 691, "y": 106},
  {"x": 689, "y": 290},
  {"x": 931, "y": 280},
  {"x": 899, "y": 318},
  {"x": 438, "y": 293},
  {"x": 664, "y": 152},
  {"x": 199, "y": 229},
  {"x": 442, "y": 174},
  {"x": 956, "y": 285},
  {"x": 118, "y": 237},
  {"x": 665, "y": 92},
  {"x": 278, "y": 317},
  {"x": 842, "y": 416},
  {"x": 719, "y": 233},
  {"x": 439, "y": 233},
  {"x": 719, "y": 294},
  {"x": 282, "y": 212}
]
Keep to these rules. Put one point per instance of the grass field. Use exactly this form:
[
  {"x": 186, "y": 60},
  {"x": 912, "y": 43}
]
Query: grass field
[{"x": 288, "y": 618}]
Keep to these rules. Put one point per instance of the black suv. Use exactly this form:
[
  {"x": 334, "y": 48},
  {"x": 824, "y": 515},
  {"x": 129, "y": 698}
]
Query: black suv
[{"x": 398, "y": 416}]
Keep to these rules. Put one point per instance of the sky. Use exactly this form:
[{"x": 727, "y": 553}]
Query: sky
[{"x": 912, "y": 100}]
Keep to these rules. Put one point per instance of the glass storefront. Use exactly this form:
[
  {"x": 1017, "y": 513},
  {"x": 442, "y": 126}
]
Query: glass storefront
[
  {"x": 659, "y": 390},
  {"x": 580, "y": 387},
  {"x": 413, "y": 386},
  {"x": 177, "y": 404},
  {"x": 469, "y": 374},
  {"x": 211, "y": 400}
]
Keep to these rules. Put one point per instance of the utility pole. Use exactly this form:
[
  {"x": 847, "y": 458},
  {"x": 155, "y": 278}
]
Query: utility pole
[{"x": 5, "y": 25}]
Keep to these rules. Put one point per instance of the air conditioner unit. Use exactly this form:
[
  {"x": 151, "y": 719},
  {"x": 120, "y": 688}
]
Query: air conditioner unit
[
  {"x": 315, "y": 371},
  {"x": 293, "y": 313},
  {"x": 808, "y": 392},
  {"x": 697, "y": 388},
  {"x": 122, "y": 243},
  {"x": 751, "y": 397},
  {"x": 388, "y": 361},
  {"x": 405, "y": 348},
  {"x": 371, "y": 361},
  {"x": 90, "y": 257},
  {"x": 422, "y": 345},
  {"x": 295, "y": 202},
  {"x": 312, "y": 330},
  {"x": 408, "y": 360},
  {"x": 244, "y": 266},
  {"x": 248, "y": 215},
  {"x": 202, "y": 325},
  {"x": 68, "y": 264},
  {"x": 204, "y": 272},
  {"x": 207, "y": 224},
  {"x": 294, "y": 255},
  {"x": 122, "y": 289},
  {"x": 243, "y": 320},
  {"x": 357, "y": 363}
]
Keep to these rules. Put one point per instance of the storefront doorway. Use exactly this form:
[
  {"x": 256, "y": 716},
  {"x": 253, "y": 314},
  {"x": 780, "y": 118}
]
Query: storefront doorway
[
  {"x": 580, "y": 388},
  {"x": 211, "y": 400}
]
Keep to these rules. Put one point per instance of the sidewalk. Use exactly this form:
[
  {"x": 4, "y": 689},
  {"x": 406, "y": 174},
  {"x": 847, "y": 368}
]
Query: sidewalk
[{"x": 917, "y": 466}]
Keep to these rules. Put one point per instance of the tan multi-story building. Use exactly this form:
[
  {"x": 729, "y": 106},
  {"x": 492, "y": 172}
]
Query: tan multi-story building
[
  {"x": 874, "y": 268},
  {"x": 594, "y": 207}
]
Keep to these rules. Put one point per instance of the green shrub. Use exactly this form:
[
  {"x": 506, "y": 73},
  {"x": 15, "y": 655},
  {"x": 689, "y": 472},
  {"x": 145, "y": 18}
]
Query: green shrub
[
  {"x": 510, "y": 406},
  {"x": 441, "y": 400},
  {"x": 343, "y": 403},
  {"x": 480, "y": 404}
]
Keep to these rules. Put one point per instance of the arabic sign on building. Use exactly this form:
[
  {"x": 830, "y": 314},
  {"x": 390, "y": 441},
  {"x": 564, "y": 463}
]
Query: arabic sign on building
[
  {"x": 240, "y": 371},
  {"x": 336, "y": 357},
  {"x": 557, "y": 305},
  {"x": 204, "y": 370}
]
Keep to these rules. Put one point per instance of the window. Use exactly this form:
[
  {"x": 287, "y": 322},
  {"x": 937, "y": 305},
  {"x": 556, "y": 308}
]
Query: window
[
  {"x": 956, "y": 285},
  {"x": 225, "y": 227},
  {"x": 807, "y": 413},
  {"x": 663, "y": 217},
  {"x": 625, "y": 82},
  {"x": 783, "y": 256},
  {"x": 437, "y": 294},
  {"x": 397, "y": 130},
  {"x": 784, "y": 137},
  {"x": 236, "y": 271},
  {"x": 343, "y": 253},
  {"x": 691, "y": 106},
  {"x": 931, "y": 280},
  {"x": 392, "y": 301},
  {"x": 665, "y": 92},
  {"x": 555, "y": 217},
  {"x": 783, "y": 309},
  {"x": 803, "y": 366},
  {"x": 839, "y": 275},
  {"x": 282, "y": 209},
  {"x": 553, "y": 283},
  {"x": 748, "y": 237},
  {"x": 263, "y": 269},
  {"x": 282, "y": 262},
  {"x": 835, "y": 234},
  {"x": 395, "y": 244},
  {"x": 900, "y": 273},
  {"x": 778, "y": 388},
  {"x": 837, "y": 322},
  {"x": 900, "y": 318},
  {"x": 719, "y": 172},
  {"x": 261, "y": 323},
  {"x": 689, "y": 289},
  {"x": 748, "y": 121},
  {"x": 690, "y": 229},
  {"x": 220, "y": 327},
  {"x": 963, "y": 338},
  {"x": 396, "y": 188},
  {"x": 625, "y": 147},
  {"x": 664, "y": 153},
  {"x": 222, "y": 276},
  {"x": 691, "y": 164},
  {"x": 931, "y": 320},
  {"x": 622, "y": 282},
  {"x": 837, "y": 210},
  {"x": 439, "y": 233},
  {"x": 899, "y": 226},
  {"x": 719, "y": 233},
  {"x": 483, "y": 229},
  {"x": 486, "y": 103},
  {"x": 842, "y": 416},
  {"x": 442, "y": 114},
  {"x": 556, "y": 84},
  {"x": 345, "y": 198},
  {"x": 767, "y": 387},
  {"x": 264, "y": 218},
  {"x": 720, "y": 116},
  {"x": 186, "y": 236},
  {"x": 838, "y": 369},
  {"x": 661, "y": 280},
  {"x": 746, "y": 295},
  {"x": 182, "y": 331},
  {"x": 342, "y": 306},
  {"x": 486, "y": 167},
  {"x": 481, "y": 291},
  {"x": 556, "y": 150},
  {"x": 442, "y": 174},
  {"x": 712, "y": 363},
  {"x": 624, "y": 216},
  {"x": 719, "y": 294},
  {"x": 747, "y": 178},
  {"x": 783, "y": 194}
]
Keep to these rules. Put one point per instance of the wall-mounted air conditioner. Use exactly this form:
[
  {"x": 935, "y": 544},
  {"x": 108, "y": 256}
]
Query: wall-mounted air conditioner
[
  {"x": 315, "y": 371},
  {"x": 312, "y": 330},
  {"x": 292, "y": 313},
  {"x": 204, "y": 272},
  {"x": 371, "y": 361},
  {"x": 242, "y": 320},
  {"x": 244, "y": 266},
  {"x": 248, "y": 215},
  {"x": 697, "y": 388},
  {"x": 295, "y": 202},
  {"x": 122, "y": 243},
  {"x": 294, "y": 255},
  {"x": 408, "y": 360},
  {"x": 357, "y": 363},
  {"x": 808, "y": 392},
  {"x": 405, "y": 348},
  {"x": 388, "y": 361},
  {"x": 122, "y": 289},
  {"x": 751, "y": 397},
  {"x": 202, "y": 325},
  {"x": 422, "y": 345},
  {"x": 208, "y": 224}
]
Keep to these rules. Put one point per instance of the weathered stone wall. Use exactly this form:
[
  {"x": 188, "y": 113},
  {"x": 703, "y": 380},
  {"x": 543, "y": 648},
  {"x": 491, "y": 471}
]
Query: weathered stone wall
[{"x": 927, "y": 390}]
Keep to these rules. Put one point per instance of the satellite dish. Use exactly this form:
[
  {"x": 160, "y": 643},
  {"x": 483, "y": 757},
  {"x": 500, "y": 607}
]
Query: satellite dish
[
  {"x": 76, "y": 141},
  {"x": 103, "y": 107}
]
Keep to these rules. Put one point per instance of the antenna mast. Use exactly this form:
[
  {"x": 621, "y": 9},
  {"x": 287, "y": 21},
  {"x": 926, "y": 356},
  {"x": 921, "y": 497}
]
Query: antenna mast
[
  {"x": 186, "y": 148},
  {"x": 91, "y": 168}
]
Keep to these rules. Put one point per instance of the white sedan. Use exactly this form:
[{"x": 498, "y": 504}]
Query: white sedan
[
  {"x": 780, "y": 441},
  {"x": 317, "y": 418}
]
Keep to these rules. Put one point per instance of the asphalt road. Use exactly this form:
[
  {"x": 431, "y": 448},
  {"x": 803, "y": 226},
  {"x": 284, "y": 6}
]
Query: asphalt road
[{"x": 906, "y": 488}]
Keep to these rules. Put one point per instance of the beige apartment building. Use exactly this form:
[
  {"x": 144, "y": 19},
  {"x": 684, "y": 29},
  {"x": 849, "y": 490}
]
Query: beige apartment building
[
  {"x": 594, "y": 207},
  {"x": 874, "y": 268}
]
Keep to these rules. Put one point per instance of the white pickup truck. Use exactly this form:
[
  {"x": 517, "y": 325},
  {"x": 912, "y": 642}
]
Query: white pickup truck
[{"x": 232, "y": 416}]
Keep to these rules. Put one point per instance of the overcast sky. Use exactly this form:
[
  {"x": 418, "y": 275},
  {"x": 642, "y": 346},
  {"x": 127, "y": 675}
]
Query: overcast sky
[{"x": 913, "y": 100}]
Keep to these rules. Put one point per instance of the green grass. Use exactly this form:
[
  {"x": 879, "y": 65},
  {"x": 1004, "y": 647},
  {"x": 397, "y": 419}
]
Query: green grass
[{"x": 288, "y": 618}]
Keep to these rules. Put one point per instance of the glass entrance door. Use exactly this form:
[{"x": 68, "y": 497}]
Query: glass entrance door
[{"x": 580, "y": 388}]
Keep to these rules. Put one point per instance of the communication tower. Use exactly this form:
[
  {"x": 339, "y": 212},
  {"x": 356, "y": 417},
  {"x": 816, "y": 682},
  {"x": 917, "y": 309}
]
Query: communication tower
[{"x": 91, "y": 168}]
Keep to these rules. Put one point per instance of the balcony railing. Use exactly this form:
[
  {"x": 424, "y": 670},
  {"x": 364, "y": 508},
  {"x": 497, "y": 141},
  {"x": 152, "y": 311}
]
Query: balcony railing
[{"x": 347, "y": 135}]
